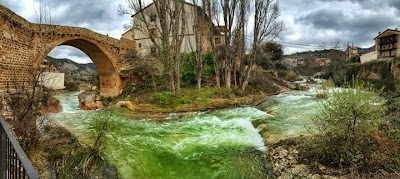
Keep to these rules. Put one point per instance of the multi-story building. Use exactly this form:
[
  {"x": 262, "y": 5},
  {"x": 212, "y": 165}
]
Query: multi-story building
[
  {"x": 146, "y": 24},
  {"x": 387, "y": 43}
]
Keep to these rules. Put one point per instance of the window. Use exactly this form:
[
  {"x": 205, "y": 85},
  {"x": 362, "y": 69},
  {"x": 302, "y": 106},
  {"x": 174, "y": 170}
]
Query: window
[
  {"x": 153, "y": 50},
  {"x": 153, "y": 18},
  {"x": 140, "y": 45},
  {"x": 217, "y": 40},
  {"x": 152, "y": 32}
]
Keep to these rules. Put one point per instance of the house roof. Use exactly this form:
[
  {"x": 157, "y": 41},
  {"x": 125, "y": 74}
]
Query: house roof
[
  {"x": 126, "y": 31},
  {"x": 388, "y": 32}
]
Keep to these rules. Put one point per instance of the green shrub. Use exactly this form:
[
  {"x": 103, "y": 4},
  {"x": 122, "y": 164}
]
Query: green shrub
[
  {"x": 393, "y": 107},
  {"x": 185, "y": 100},
  {"x": 165, "y": 97},
  {"x": 348, "y": 133},
  {"x": 189, "y": 74}
]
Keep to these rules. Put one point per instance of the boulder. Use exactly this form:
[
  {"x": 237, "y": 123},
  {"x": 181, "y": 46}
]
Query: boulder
[
  {"x": 90, "y": 100},
  {"x": 125, "y": 104},
  {"x": 53, "y": 105},
  {"x": 301, "y": 87},
  {"x": 262, "y": 127},
  {"x": 266, "y": 135}
]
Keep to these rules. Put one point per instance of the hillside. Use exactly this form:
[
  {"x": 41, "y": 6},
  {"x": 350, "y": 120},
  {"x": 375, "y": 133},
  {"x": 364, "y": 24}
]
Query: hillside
[
  {"x": 331, "y": 53},
  {"x": 68, "y": 66}
]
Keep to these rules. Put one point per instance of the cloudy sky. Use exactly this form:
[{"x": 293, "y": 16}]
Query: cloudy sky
[{"x": 310, "y": 24}]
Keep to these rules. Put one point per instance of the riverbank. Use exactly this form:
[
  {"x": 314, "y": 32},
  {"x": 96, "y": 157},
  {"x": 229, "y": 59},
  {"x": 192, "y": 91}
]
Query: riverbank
[
  {"x": 161, "y": 104},
  {"x": 287, "y": 161}
]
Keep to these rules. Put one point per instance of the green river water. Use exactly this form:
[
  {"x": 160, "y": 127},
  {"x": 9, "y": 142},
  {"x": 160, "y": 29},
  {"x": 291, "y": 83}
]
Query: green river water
[{"x": 218, "y": 144}]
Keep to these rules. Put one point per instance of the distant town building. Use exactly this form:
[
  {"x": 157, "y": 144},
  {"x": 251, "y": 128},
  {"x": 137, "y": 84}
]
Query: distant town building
[
  {"x": 387, "y": 43},
  {"x": 293, "y": 61},
  {"x": 352, "y": 51},
  {"x": 51, "y": 77},
  {"x": 322, "y": 61},
  {"x": 140, "y": 32},
  {"x": 365, "y": 54}
]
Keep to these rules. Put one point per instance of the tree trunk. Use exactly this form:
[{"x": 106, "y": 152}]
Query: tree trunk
[
  {"x": 247, "y": 77},
  {"x": 199, "y": 72},
  {"x": 172, "y": 81},
  {"x": 217, "y": 73},
  {"x": 228, "y": 76}
]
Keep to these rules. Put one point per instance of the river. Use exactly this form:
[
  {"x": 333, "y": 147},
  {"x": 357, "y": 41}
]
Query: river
[{"x": 214, "y": 144}]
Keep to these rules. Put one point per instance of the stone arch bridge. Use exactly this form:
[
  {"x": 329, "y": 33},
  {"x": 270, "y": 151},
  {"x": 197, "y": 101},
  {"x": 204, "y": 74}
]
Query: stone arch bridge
[{"x": 23, "y": 46}]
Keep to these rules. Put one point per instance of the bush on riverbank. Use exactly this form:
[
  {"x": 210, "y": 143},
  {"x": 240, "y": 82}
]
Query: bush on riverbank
[
  {"x": 393, "y": 107},
  {"x": 352, "y": 133},
  {"x": 89, "y": 161}
]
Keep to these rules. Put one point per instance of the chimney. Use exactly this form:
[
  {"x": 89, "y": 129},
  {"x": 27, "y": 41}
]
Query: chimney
[{"x": 379, "y": 33}]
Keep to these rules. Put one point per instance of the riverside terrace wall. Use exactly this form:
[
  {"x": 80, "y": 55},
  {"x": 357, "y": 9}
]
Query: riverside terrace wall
[{"x": 23, "y": 46}]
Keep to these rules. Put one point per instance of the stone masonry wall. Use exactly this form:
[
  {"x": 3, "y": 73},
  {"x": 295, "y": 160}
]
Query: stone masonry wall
[{"x": 23, "y": 45}]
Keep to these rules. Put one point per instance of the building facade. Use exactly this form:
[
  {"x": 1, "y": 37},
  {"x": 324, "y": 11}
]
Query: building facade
[
  {"x": 369, "y": 56},
  {"x": 352, "y": 51},
  {"x": 146, "y": 24},
  {"x": 387, "y": 43},
  {"x": 293, "y": 61},
  {"x": 50, "y": 76}
]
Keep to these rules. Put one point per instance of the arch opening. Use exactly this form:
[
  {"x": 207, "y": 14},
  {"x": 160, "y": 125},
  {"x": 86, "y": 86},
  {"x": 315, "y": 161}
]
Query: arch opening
[{"x": 109, "y": 80}]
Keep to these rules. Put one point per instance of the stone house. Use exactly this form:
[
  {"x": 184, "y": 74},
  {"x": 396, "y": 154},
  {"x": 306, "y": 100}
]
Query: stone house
[
  {"x": 51, "y": 77},
  {"x": 322, "y": 61},
  {"x": 352, "y": 51},
  {"x": 142, "y": 27},
  {"x": 293, "y": 61},
  {"x": 387, "y": 43}
]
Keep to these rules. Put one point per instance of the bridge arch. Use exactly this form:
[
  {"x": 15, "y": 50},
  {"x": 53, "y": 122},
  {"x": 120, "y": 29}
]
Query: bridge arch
[
  {"x": 24, "y": 45},
  {"x": 110, "y": 81}
]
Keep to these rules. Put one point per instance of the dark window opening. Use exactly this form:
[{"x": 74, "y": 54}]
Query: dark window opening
[
  {"x": 217, "y": 41},
  {"x": 153, "y": 50},
  {"x": 153, "y": 18},
  {"x": 152, "y": 32}
]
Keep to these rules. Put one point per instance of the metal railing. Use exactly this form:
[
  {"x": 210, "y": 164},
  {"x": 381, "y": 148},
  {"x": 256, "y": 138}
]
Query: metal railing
[{"x": 14, "y": 164}]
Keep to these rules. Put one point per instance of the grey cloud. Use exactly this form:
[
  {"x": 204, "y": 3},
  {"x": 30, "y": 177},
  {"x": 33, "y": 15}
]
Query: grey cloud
[
  {"x": 99, "y": 15},
  {"x": 323, "y": 18},
  {"x": 359, "y": 27},
  {"x": 70, "y": 53}
]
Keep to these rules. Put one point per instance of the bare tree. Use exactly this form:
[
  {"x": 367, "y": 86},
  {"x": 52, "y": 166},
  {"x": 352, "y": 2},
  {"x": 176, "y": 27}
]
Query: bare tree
[
  {"x": 228, "y": 14},
  {"x": 44, "y": 13},
  {"x": 27, "y": 98},
  {"x": 240, "y": 39},
  {"x": 266, "y": 28},
  {"x": 212, "y": 10},
  {"x": 166, "y": 33}
]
